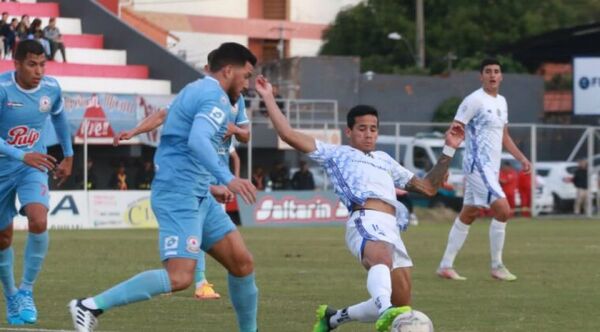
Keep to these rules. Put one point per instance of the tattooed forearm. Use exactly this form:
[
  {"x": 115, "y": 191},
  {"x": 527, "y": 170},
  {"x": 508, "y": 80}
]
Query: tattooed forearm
[{"x": 433, "y": 180}]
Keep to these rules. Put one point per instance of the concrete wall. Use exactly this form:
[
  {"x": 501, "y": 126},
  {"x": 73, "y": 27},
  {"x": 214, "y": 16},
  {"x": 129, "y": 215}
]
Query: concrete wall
[
  {"x": 227, "y": 8},
  {"x": 118, "y": 35},
  {"x": 317, "y": 11}
]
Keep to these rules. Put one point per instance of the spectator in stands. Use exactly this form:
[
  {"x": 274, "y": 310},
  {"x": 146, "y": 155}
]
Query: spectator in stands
[
  {"x": 144, "y": 176},
  {"x": 10, "y": 36},
  {"x": 119, "y": 178},
  {"x": 23, "y": 28},
  {"x": 36, "y": 32},
  {"x": 303, "y": 178},
  {"x": 92, "y": 180},
  {"x": 259, "y": 180},
  {"x": 53, "y": 35},
  {"x": 509, "y": 182},
  {"x": 3, "y": 22},
  {"x": 280, "y": 177},
  {"x": 580, "y": 180}
]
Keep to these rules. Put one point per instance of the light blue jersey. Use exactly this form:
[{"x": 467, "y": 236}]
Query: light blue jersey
[
  {"x": 187, "y": 158},
  {"x": 23, "y": 115}
]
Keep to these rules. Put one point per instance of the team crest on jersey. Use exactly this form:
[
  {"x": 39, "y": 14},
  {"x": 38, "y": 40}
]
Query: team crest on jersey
[
  {"x": 193, "y": 245},
  {"x": 22, "y": 136},
  {"x": 45, "y": 104},
  {"x": 14, "y": 104}
]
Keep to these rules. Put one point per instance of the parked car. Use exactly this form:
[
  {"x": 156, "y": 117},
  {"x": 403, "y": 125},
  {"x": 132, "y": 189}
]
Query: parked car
[{"x": 558, "y": 184}]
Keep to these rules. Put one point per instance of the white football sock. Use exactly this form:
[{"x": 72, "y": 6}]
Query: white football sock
[
  {"x": 456, "y": 239},
  {"x": 379, "y": 284},
  {"x": 497, "y": 235},
  {"x": 90, "y": 303},
  {"x": 365, "y": 312}
]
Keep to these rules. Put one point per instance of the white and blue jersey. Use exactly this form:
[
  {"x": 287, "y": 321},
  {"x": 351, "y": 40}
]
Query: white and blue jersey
[
  {"x": 23, "y": 117},
  {"x": 187, "y": 157},
  {"x": 485, "y": 118},
  {"x": 238, "y": 117},
  {"x": 357, "y": 176}
]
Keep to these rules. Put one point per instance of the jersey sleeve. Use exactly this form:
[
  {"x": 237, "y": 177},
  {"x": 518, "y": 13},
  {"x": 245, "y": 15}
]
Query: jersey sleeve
[
  {"x": 323, "y": 152},
  {"x": 211, "y": 111},
  {"x": 58, "y": 103},
  {"x": 242, "y": 117},
  {"x": 467, "y": 110},
  {"x": 400, "y": 174}
]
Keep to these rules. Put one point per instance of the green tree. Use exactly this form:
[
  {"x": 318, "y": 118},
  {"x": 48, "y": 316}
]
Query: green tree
[
  {"x": 469, "y": 29},
  {"x": 446, "y": 111}
]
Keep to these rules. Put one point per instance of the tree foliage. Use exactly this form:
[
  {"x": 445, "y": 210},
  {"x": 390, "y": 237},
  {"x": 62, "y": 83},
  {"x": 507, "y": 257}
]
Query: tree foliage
[{"x": 469, "y": 29}]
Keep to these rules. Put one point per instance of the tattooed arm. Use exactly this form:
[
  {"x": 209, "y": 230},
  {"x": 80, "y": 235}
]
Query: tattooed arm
[{"x": 439, "y": 173}]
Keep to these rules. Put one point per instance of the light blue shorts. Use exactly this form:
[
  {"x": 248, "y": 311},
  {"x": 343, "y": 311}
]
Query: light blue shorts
[
  {"x": 32, "y": 187},
  {"x": 188, "y": 224}
]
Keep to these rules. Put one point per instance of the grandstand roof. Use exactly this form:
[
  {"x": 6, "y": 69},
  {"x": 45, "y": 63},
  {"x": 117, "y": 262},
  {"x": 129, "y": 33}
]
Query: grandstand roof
[{"x": 557, "y": 46}]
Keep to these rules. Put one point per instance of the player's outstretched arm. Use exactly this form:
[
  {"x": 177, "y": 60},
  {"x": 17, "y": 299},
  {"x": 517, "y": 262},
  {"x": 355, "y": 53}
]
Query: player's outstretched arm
[
  {"x": 149, "y": 123},
  {"x": 61, "y": 126},
  {"x": 294, "y": 138},
  {"x": 511, "y": 147},
  {"x": 439, "y": 173}
]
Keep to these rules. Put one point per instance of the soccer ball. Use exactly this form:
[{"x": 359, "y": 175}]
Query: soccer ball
[{"x": 412, "y": 321}]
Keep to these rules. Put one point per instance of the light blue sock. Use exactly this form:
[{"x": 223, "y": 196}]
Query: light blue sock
[
  {"x": 244, "y": 297},
  {"x": 7, "y": 276},
  {"x": 139, "y": 288},
  {"x": 200, "y": 268},
  {"x": 35, "y": 253}
]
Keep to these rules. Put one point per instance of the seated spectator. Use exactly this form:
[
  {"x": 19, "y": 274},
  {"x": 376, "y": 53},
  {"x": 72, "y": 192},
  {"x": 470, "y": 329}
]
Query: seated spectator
[
  {"x": 259, "y": 180},
  {"x": 279, "y": 177},
  {"x": 144, "y": 176},
  {"x": 303, "y": 178},
  {"x": 39, "y": 36},
  {"x": 119, "y": 179},
  {"x": 53, "y": 35},
  {"x": 9, "y": 32},
  {"x": 23, "y": 28}
]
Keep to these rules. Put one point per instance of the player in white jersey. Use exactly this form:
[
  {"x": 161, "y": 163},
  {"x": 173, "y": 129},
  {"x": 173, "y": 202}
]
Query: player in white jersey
[
  {"x": 365, "y": 180},
  {"x": 483, "y": 114}
]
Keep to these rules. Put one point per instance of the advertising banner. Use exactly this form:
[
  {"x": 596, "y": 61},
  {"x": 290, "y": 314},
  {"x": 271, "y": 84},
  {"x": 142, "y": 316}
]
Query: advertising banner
[
  {"x": 101, "y": 209},
  {"x": 293, "y": 208},
  {"x": 586, "y": 86},
  {"x": 106, "y": 115}
]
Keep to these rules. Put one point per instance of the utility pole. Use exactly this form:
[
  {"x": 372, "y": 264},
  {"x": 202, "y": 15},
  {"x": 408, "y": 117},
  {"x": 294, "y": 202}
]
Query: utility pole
[{"x": 420, "y": 40}]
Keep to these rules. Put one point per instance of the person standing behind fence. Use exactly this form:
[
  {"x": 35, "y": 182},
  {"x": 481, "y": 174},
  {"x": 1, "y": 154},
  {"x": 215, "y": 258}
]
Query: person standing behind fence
[
  {"x": 580, "y": 180},
  {"x": 525, "y": 192},
  {"x": 53, "y": 35},
  {"x": 509, "y": 181},
  {"x": 303, "y": 178}
]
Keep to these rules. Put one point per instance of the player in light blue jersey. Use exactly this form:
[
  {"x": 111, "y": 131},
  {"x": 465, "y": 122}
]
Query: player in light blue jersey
[
  {"x": 365, "y": 180},
  {"x": 238, "y": 127},
  {"x": 189, "y": 218},
  {"x": 27, "y": 99},
  {"x": 484, "y": 115}
]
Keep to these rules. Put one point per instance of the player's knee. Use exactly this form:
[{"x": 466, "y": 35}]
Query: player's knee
[
  {"x": 5, "y": 241},
  {"x": 37, "y": 223},
  {"x": 502, "y": 215},
  {"x": 244, "y": 265},
  {"x": 180, "y": 280}
]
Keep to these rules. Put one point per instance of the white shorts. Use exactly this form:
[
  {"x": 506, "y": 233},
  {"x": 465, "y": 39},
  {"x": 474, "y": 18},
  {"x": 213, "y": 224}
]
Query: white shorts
[
  {"x": 369, "y": 225},
  {"x": 482, "y": 188}
]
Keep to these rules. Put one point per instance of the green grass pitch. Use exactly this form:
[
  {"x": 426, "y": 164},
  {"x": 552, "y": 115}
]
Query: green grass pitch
[{"x": 557, "y": 262}]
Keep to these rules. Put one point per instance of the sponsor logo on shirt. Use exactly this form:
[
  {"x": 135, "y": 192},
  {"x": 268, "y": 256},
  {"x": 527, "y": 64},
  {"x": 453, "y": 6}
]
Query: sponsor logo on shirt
[
  {"x": 217, "y": 114},
  {"x": 171, "y": 242},
  {"x": 45, "y": 104},
  {"x": 14, "y": 104},
  {"x": 22, "y": 136}
]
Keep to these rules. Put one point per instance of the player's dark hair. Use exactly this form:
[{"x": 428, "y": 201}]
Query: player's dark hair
[
  {"x": 489, "y": 61},
  {"x": 360, "y": 110},
  {"x": 28, "y": 46},
  {"x": 230, "y": 54}
]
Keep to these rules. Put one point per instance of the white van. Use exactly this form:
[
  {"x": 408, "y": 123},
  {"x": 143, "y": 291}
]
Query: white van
[{"x": 420, "y": 152}]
